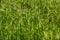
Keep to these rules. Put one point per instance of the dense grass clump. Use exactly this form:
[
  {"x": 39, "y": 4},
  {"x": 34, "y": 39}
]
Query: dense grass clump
[{"x": 29, "y": 19}]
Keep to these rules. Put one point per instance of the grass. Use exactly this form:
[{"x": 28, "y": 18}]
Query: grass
[{"x": 29, "y": 20}]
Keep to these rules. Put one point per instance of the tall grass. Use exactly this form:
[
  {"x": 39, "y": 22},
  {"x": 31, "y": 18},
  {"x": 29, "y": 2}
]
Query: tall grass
[{"x": 29, "y": 19}]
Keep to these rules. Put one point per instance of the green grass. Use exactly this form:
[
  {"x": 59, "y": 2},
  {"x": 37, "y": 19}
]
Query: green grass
[{"x": 29, "y": 19}]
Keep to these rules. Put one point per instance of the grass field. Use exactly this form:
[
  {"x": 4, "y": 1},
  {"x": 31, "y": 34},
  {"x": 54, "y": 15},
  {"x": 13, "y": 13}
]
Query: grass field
[{"x": 29, "y": 19}]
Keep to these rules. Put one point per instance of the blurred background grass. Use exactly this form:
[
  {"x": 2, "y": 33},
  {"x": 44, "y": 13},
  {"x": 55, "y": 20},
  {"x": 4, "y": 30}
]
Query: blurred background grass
[{"x": 29, "y": 19}]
